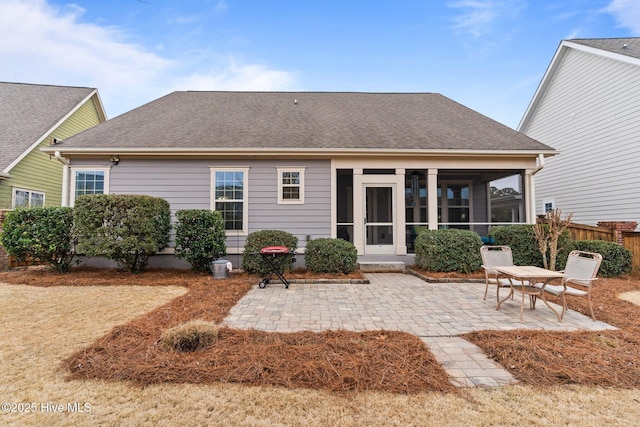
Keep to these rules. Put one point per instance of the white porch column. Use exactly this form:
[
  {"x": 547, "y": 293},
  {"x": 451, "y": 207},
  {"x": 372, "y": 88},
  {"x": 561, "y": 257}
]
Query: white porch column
[
  {"x": 399, "y": 216},
  {"x": 432, "y": 198},
  {"x": 529, "y": 188},
  {"x": 358, "y": 209}
]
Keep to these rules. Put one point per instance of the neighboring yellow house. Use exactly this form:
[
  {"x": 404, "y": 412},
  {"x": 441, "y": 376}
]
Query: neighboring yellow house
[{"x": 31, "y": 117}]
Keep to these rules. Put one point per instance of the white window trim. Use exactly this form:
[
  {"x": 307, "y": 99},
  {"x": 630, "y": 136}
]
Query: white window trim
[
  {"x": 281, "y": 200},
  {"x": 245, "y": 196},
  {"x": 72, "y": 184},
  {"x": 15, "y": 189}
]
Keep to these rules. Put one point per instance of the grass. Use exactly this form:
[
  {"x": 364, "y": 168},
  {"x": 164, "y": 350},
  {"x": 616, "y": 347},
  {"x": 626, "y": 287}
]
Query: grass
[{"x": 43, "y": 326}]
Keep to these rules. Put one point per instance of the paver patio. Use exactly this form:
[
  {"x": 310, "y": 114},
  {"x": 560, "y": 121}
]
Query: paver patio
[{"x": 435, "y": 312}]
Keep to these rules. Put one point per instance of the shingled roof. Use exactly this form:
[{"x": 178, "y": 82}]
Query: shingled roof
[
  {"x": 28, "y": 112},
  {"x": 261, "y": 121},
  {"x": 623, "y": 46}
]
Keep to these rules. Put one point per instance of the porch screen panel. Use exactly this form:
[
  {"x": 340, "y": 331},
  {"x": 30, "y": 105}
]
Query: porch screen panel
[
  {"x": 458, "y": 204},
  {"x": 415, "y": 202},
  {"x": 344, "y": 204},
  {"x": 507, "y": 203}
]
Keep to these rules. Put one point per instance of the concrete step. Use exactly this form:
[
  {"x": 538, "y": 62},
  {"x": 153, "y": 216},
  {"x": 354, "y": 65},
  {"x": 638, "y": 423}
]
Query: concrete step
[{"x": 381, "y": 266}]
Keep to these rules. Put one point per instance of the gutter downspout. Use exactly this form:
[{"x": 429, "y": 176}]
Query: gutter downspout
[
  {"x": 65, "y": 178},
  {"x": 532, "y": 189},
  {"x": 540, "y": 164}
]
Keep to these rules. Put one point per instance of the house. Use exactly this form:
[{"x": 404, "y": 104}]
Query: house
[
  {"x": 372, "y": 168},
  {"x": 35, "y": 116},
  {"x": 588, "y": 107}
]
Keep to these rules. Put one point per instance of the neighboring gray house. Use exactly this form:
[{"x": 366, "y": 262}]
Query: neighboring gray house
[
  {"x": 373, "y": 168},
  {"x": 588, "y": 107}
]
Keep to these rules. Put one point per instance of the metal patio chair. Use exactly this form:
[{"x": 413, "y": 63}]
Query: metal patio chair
[
  {"x": 495, "y": 256},
  {"x": 581, "y": 271}
]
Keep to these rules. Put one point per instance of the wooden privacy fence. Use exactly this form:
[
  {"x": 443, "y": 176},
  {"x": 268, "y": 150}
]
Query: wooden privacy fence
[
  {"x": 632, "y": 242},
  {"x": 589, "y": 232},
  {"x": 620, "y": 233}
]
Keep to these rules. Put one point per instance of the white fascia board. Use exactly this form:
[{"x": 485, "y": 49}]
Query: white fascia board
[
  {"x": 603, "y": 53},
  {"x": 101, "y": 111},
  {"x": 288, "y": 152},
  {"x": 48, "y": 132}
]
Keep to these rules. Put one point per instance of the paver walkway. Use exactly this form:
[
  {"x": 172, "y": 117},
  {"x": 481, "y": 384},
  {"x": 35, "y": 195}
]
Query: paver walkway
[{"x": 435, "y": 312}]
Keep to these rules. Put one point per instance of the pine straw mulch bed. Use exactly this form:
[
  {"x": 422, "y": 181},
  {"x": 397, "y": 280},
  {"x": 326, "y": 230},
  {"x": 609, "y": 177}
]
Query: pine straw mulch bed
[
  {"x": 337, "y": 361},
  {"x": 603, "y": 358},
  {"x": 340, "y": 361}
]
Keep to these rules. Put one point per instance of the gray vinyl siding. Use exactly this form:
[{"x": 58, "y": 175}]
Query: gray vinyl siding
[
  {"x": 186, "y": 184},
  {"x": 313, "y": 218},
  {"x": 590, "y": 112}
]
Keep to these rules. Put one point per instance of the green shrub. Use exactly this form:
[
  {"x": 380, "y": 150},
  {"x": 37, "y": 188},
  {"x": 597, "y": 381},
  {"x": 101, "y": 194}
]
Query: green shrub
[
  {"x": 126, "y": 228},
  {"x": 448, "y": 250},
  {"x": 524, "y": 245},
  {"x": 616, "y": 260},
  {"x": 330, "y": 256},
  {"x": 252, "y": 261},
  {"x": 200, "y": 237},
  {"x": 41, "y": 233},
  {"x": 191, "y": 336}
]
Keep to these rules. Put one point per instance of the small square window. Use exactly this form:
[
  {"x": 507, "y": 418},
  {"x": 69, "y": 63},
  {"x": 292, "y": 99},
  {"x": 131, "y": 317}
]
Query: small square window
[{"x": 290, "y": 185}]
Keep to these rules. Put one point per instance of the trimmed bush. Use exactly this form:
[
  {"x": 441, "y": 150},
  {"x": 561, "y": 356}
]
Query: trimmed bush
[
  {"x": 252, "y": 261},
  {"x": 330, "y": 256},
  {"x": 448, "y": 250},
  {"x": 200, "y": 237},
  {"x": 42, "y": 233},
  {"x": 126, "y": 228},
  {"x": 524, "y": 246},
  {"x": 616, "y": 260},
  {"x": 191, "y": 336}
]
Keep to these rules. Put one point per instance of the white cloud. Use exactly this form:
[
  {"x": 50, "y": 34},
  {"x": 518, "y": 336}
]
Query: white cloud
[
  {"x": 573, "y": 35},
  {"x": 51, "y": 45},
  {"x": 479, "y": 17},
  {"x": 627, "y": 14},
  {"x": 237, "y": 77}
]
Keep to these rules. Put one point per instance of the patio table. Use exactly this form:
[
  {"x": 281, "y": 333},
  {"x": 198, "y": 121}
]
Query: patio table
[{"x": 525, "y": 277}]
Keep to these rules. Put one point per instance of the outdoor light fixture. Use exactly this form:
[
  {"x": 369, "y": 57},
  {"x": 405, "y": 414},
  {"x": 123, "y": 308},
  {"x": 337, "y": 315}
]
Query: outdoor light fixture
[{"x": 115, "y": 160}]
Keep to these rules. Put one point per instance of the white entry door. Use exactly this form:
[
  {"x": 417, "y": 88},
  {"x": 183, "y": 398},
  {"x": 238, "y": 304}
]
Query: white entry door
[{"x": 379, "y": 218}]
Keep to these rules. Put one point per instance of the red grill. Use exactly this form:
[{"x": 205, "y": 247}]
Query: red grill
[
  {"x": 274, "y": 250},
  {"x": 269, "y": 255}
]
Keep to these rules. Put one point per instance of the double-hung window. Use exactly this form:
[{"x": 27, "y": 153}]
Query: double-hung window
[
  {"x": 290, "y": 185},
  {"x": 229, "y": 195},
  {"x": 27, "y": 198},
  {"x": 89, "y": 180}
]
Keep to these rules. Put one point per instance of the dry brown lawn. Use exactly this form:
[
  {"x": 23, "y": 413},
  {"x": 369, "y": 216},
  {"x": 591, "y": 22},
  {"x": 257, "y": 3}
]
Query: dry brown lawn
[{"x": 42, "y": 326}]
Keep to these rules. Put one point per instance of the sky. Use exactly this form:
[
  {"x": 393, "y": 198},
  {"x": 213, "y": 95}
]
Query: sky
[{"x": 488, "y": 55}]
